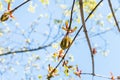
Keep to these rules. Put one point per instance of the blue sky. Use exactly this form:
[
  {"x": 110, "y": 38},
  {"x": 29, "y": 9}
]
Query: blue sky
[{"x": 40, "y": 29}]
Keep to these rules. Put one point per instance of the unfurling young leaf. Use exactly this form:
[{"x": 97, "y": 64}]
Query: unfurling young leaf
[
  {"x": 66, "y": 71},
  {"x": 66, "y": 28},
  {"x": 65, "y": 63},
  {"x": 50, "y": 69},
  {"x": 78, "y": 72},
  {"x": 94, "y": 51},
  {"x": 60, "y": 54},
  {"x": 66, "y": 67},
  {"x": 40, "y": 77},
  {"x": 112, "y": 76}
]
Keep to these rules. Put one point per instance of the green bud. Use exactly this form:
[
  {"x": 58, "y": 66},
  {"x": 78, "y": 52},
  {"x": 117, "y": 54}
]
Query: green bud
[{"x": 66, "y": 42}]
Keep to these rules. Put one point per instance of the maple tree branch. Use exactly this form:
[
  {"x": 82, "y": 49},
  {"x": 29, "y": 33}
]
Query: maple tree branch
[
  {"x": 110, "y": 5},
  {"x": 65, "y": 35},
  {"x": 20, "y": 5},
  {"x": 75, "y": 37},
  {"x": 86, "y": 34},
  {"x": 26, "y": 50},
  {"x": 96, "y": 75},
  {"x": 71, "y": 15}
]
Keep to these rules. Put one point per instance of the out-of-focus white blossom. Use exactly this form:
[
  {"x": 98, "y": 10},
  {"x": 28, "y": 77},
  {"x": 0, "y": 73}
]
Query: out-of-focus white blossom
[
  {"x": 63, "y": 6},
  {"x": 106, "y": 52},
  {"x": 2, "y": 60},
  {"x": 1, "y": 6},
  {"x": 32, "y": 7},
  {"x": 55, "y": 45},
  {"x": 17, "y": 24},
  {"x": 67, "y": 13},
  {"x": 9, "y": 1},
  {"x": 44, "y": 2},
  {"x": 27, "y": 40},
  {"x": 1, "y": 34}
]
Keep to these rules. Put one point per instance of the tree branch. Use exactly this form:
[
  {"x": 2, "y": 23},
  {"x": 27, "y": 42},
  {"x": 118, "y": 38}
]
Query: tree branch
[
  {"x": 75, "y": 38},
  {"x": 110, "y": 5},
  {"x": 71, "y": 14},
  {"x": 20, "y": 5},
  {"x": 27, "y": 50},
  {"x": 97, "y": 75},
  {"x": 86, "y": 34},
  {"x": 65, "y": 35}
]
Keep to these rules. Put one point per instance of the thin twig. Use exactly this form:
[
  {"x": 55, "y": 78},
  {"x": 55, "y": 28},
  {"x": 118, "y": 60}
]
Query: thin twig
[
  {"x": 96, "y": 75},
  {"x": 20, "y": 5},
  {"x": 27, "y": 50},
  {"x": 71, "y": 15},
  {"x": 70, "y": 18},
  {"x": 75, "y": 38},
  {"x": 116, "y": 22},
  {"x": 65, "y": 35},
  {"x": 86, "y": 34}
]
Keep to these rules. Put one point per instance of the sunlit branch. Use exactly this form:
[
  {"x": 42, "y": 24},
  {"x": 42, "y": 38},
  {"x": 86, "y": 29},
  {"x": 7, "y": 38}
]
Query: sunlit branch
[
  {"x": 71, "y": 14},
  {"x": 86, "y": 34},
  {"x": 70, "y": 17},
  {"x": 110, "y": 5},
  {"x": 65, "y": 35}
]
